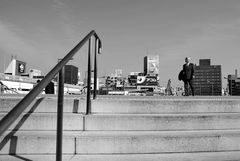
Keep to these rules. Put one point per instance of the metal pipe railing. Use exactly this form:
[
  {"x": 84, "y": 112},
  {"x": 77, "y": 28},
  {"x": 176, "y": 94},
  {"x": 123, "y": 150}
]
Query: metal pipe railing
[
  {"x": 88, "y": 110},
  {"x": 6, "y": 121},
  {"x": 95, "y": 70},
  {"x": 60, "y": 115}
]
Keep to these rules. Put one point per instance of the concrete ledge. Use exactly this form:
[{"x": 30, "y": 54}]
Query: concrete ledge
[
  {"x": 162, "y": 121},
  {"x": 152, "y": 106}
]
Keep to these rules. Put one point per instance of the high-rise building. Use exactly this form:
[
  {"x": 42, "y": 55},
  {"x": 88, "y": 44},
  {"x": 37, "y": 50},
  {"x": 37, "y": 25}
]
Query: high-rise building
[
  {"x": 234, "y": 84},
  {"x": 208, "y": 78},
  {"x": 151, "y": 65},
  {"x": 71, "y": 74}
]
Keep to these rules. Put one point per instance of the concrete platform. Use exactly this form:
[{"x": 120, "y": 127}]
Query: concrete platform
[{"x": 159, "y": 105}]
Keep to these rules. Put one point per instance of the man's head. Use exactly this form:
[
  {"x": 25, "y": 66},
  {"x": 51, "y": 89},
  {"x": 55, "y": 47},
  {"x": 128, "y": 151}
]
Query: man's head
[{"x": 187, "y": 60}]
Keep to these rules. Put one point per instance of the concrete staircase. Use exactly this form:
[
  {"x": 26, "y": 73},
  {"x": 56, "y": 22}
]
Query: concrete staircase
[{"x": 126, "y": 129}]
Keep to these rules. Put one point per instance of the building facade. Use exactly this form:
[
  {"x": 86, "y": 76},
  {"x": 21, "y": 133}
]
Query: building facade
[
  {"x": 151, "y": 65},
  {"x": 234, "y": 84},
  {"x": 208, "y": 79},
  {"x": 71, "y": 74}
]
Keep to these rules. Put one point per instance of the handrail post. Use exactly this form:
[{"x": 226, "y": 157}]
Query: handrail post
[
  {"x": 95, "y": 70},
  {"x": 60, "y": 115},
  {"x": 88, "y": 110}
]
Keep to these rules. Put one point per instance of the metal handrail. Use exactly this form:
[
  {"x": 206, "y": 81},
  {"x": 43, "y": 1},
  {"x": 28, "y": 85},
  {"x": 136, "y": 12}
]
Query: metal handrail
[{"x": 6, "y": 122}]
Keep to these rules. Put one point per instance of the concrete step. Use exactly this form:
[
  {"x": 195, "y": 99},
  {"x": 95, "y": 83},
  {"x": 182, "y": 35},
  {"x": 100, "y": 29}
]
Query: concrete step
[
  {"x": 153, "y": 105},
  {"x": 211, "y": 156},
  {"x": 98, "y": 143},
  {"x": 46, "y": 121},
  {"x": 156, "y": 122},
  {"x": 129, "y": 122},
  {"x": 134, "y": 105},
  {"x": 72, "y": 104},
  {"x": 36, "y": 143},
  {"x": 157, "y": 142}
]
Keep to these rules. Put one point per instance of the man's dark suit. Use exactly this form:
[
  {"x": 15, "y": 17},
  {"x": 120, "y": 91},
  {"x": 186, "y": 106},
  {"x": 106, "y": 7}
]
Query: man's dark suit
[{"x": 188, "y": 76}]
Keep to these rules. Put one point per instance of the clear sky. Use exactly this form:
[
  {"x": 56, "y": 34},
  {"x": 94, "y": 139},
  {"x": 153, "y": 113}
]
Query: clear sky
[{"x": 41, "y": 31}]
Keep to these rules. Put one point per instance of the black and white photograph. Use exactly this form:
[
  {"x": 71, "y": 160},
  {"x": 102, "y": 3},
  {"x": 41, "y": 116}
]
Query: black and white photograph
[{"x": 119, "y": 80}]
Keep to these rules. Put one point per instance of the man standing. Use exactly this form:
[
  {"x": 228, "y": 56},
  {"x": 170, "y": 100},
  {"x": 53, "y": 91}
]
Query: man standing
[{"x": 188, "y": 71}]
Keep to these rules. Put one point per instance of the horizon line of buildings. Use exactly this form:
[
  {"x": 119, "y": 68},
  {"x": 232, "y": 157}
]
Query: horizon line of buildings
[{"x": 207, "y": 81}]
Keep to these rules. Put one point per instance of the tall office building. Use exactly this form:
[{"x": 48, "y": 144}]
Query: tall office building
[
  {"x": 208, "y": 78},
  {"x": 151, "y": 65},
  {"x": 71, "y": 74}
]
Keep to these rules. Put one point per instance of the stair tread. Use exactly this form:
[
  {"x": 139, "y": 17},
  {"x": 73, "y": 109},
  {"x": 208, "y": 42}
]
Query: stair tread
[
  {"x": 126, "y": 133},
  {"x": 206, "y": 156}
]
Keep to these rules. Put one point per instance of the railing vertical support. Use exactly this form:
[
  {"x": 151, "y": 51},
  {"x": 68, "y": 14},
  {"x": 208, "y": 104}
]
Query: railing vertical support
[
  {"x": 95, "y": 70},
  {"x": 88, "y": 110},
  {"x": 60, "y": 115}
]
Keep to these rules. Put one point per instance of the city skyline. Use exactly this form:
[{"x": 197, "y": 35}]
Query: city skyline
[{"x": 41, "y": 32}]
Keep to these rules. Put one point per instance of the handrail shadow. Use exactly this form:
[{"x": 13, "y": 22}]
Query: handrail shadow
[{"x": 13, "y": 139}]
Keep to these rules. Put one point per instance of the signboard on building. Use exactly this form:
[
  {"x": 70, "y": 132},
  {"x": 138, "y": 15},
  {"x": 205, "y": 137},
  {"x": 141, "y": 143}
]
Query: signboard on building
[
  {"x": 147, "y": 80},
  {"x": 34, "y": 73},
  {"x": 20, "y": 67},
  {"x": 16, "y": 67},
  {"x": 151, "y": 65}
]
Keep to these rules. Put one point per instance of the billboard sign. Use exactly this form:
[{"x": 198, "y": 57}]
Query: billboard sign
[
  {"x": 153, "y": 65},
  {"x": 20, "y": 67},
  {"x": 147, "y": 80}
]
